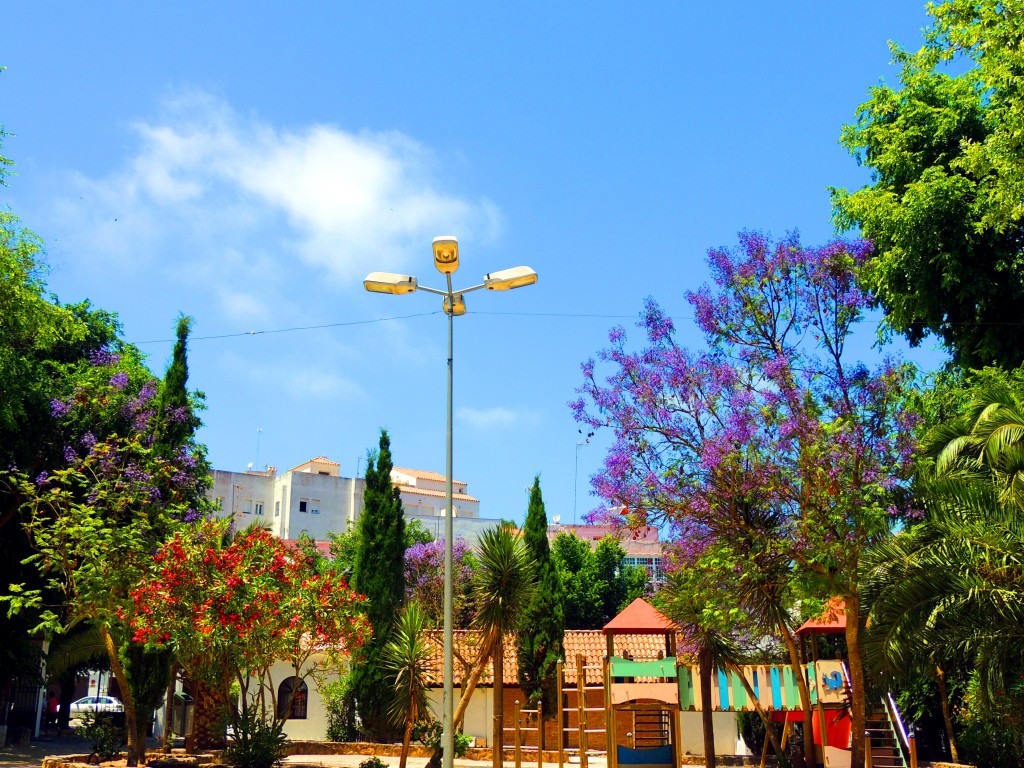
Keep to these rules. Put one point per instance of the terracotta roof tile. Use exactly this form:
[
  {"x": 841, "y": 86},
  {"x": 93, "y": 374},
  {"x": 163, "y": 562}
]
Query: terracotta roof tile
[
  {"x": 590, "y": 643},
  {"x": 425, "y": 475},
  {"x": 435, "y": 494},
  {"x": 640, "y": 617}
]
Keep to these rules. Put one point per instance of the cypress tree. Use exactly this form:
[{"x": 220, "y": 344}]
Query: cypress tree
[
  {"x": 540, "y": 641},
  {"x": 378, "y": 574}
]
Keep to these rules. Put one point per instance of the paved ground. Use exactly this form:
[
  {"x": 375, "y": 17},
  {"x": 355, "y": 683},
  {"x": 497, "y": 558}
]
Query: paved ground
[{"x": 31, "y": 756}]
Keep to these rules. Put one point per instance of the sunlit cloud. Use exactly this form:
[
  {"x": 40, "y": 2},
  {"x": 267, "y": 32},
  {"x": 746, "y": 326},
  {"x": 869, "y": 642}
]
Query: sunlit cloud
[{"x": 205, "y": 182}]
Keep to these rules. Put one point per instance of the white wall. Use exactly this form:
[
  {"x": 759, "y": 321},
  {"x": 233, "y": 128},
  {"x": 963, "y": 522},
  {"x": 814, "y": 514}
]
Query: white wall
[{"x": 691, "y": 733}]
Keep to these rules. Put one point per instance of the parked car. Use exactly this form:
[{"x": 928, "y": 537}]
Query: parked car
[{"x": 94, "y": 705}]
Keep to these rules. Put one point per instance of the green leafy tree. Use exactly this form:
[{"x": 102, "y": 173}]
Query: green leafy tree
[
  {"x": 149, "y": 670},
  {"x": 596, "y": 583},
  {"x": 540, "y": 641},
  {"x": 944, "y": 207},
  {"x": 378, "y": 574}
]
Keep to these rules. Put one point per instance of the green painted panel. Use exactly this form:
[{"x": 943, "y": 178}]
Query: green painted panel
[
  {"x": 661, "y": 668},
  {"x": 739, "y": 693},
  {"x": 687, "y": 700},
  {"x": 813, "y": 684},
  {"x": 792, "y": 692}
]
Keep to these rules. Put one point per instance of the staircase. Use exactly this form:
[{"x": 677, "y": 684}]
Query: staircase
[
  {"x": 650, "y": 729},
  {"x": 885, "y": 746}
]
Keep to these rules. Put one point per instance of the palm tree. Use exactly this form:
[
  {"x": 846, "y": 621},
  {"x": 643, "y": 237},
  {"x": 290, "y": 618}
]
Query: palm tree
[
  {"x": 952, "y": 587},
  {"x": 504, "y": 585},
  {"x": 408, "y": 658}
]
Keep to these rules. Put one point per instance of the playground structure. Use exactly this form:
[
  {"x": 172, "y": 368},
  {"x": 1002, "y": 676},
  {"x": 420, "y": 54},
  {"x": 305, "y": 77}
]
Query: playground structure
[{"x": 629, "y": 708}]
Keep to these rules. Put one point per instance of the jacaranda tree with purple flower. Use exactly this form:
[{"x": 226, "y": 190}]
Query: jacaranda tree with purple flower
[
  {"x": 424, "y": 581},
  {"x": 770, "y": 430},
  {"x": 96, "y": 519}
]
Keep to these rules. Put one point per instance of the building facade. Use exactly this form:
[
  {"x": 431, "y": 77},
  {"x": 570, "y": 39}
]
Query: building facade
[{"x": 313, "y": 498}]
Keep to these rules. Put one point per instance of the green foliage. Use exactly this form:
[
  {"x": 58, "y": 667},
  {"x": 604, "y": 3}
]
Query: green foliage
[
  {"x": 340, "y": 706},
  {"x": 540, "y": 640},
  {"x": 428, "y": 733},
  {"x": 378, "y": 574},
  {"x": 258, "y": 741},
  {"x": 416, "y": 533},
  {"x": 596, "y": 584},
  {"x": 105, "y": 737},
  {"x": 504, "y": 583},
  {"x": 408, "y": 659},
  {"x": 373, "y": 762},
  {"x": 944, "y": 208}
]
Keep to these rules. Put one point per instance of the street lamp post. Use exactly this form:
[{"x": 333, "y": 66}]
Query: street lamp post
[{"x": 446, "y": 259}]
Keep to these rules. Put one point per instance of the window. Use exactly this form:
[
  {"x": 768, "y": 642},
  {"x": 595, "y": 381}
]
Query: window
[
  {"x": 258, "y": 509},
  {"x": 314, "y": 507},
  {"x": 323, "y": 473},
  {"x": 277, "y": 509},
  {"x": 292, "y": 693},
  {"x": 303, "y": 504},
  {"x": 247, "y": 507}
]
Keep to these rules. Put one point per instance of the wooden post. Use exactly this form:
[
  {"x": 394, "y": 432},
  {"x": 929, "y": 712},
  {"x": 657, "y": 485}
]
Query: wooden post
[
  {"x": 519, "y": 737},
  {"x": 559, "y": 671},
  {"x": 581, "y": 705},
  {"x": 540, "y": 734},
  {"x": 610, "y": 726},
  {"x": 868, "y": 757},
  {"x": 913, "y": 749}
]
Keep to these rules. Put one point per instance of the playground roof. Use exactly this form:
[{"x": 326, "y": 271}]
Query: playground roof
[
  {"x": 589, "y": 643},
  {"x": 831, "y": 622},
  {"x": 640, "y": 618}
]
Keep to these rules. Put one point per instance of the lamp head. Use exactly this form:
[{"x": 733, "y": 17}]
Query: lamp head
[
  {"x": 507, "y": 279},
  {"x": 446, "y": 254},
  {"x": 456, "y": 307},
  {"x": 389, "y": 282}
]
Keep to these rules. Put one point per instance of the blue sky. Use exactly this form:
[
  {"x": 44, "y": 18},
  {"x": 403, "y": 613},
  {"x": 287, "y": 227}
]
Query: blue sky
[{"x": 248, "y": 164}]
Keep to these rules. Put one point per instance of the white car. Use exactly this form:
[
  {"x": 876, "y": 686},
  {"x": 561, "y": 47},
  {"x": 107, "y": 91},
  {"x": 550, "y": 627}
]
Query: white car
[{"x": 94, "y": 705}]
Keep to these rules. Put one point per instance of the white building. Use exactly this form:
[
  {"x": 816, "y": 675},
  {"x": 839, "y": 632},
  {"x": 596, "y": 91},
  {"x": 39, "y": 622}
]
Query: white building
[{"x": 313, "y": 498}]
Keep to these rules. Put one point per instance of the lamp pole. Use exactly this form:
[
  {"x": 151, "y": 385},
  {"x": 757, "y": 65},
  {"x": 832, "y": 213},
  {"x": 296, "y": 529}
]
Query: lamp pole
[
  {"x": 448, "y": 702},
  {"x": 446, "y": 259}
]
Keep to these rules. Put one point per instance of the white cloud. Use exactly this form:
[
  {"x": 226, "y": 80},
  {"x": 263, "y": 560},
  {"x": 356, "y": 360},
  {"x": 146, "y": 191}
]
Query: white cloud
[
  {"x": 498, "y": 417},
  {"x": 315, "y": 199}
]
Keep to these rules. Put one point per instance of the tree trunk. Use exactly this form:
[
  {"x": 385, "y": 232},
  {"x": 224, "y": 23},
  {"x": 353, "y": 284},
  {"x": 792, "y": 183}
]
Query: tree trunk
[
  {"x": 498, "y": 696},
  {"x": 136, "y": 751},
  {"x": 858, "y": 702},
  {"x": 470, "y": 683},
  {"x": 940, "y": 676},
  {"x": 209, "y": 719},
  {"x": 706, "y": 713},
  {"x": 805, "y": 695},
  {"x": 410, "y": 721}
]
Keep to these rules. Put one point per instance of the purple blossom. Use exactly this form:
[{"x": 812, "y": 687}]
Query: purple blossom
[
  {"x": 69, "y": 454},
  {"x": 119, "y": 380},
  {"x": 42, "y": 478},
  {"x": 103, "y": 357},
  {"x": 60, "y": 408}
]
